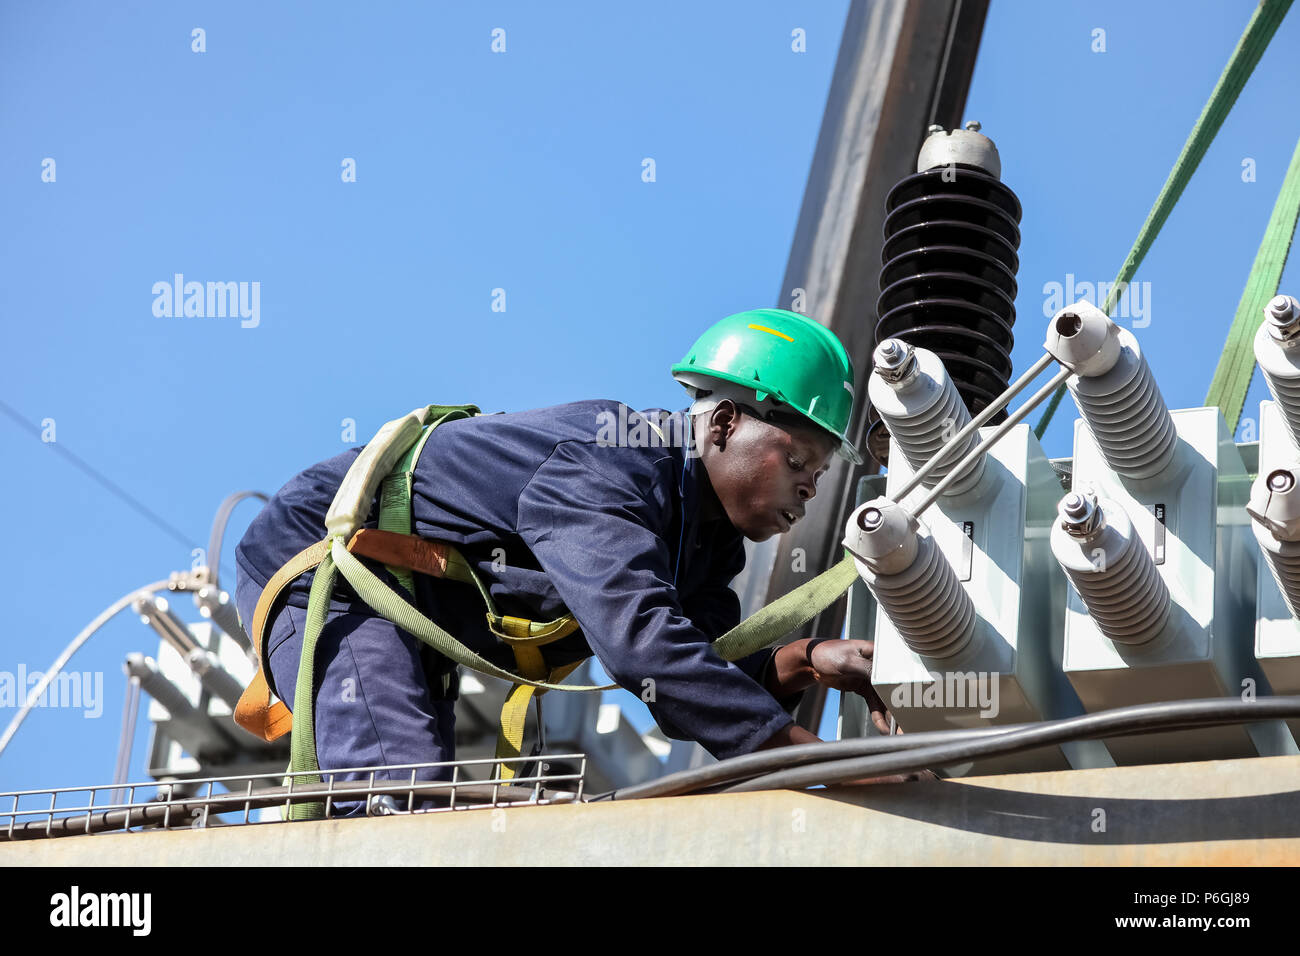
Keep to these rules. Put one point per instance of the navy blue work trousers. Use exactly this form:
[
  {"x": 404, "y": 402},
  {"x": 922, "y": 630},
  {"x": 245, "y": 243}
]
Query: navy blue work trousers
[{"x": 371, "y": 700}]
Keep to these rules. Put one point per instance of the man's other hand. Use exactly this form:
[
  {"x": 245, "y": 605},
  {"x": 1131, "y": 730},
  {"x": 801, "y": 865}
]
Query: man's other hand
[{"x": 846, "y": 666}]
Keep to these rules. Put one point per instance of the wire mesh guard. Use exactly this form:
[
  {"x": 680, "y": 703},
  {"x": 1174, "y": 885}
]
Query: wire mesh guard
[{"x": 237, "y": 800}]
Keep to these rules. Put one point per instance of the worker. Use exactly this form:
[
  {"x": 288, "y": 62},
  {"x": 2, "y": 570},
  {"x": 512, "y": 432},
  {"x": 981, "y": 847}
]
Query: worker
[{"x": 559, "y": 509}]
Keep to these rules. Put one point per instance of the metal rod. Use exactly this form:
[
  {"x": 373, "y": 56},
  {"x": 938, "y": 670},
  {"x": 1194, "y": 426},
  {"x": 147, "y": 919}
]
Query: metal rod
[
  {"x": 100, "y": 819},
  {"x": 207, "y": 804},
  {"x": 272, "y": 795},
  {"x": 997, "y": 435},
  {"x": 226, "y": 780},
  {"x": 1012, "y": 391},
  {"x": 130, "y": 711}
]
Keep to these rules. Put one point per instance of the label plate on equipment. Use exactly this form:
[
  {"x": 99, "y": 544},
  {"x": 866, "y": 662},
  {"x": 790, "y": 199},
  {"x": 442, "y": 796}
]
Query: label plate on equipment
[
  {"x": 1158, "y": 539},
  {"x": 967, "y": 550}
]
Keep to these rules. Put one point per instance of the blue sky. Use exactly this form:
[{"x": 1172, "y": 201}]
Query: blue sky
[{"x": 478, "y": 171}]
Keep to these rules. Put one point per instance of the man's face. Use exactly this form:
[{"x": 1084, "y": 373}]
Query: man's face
[{"x": 763, "y": 474}]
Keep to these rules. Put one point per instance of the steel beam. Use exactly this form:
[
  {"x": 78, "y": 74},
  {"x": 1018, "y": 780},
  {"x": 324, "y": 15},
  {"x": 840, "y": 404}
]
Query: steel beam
[{"x": 902, "y": 65}]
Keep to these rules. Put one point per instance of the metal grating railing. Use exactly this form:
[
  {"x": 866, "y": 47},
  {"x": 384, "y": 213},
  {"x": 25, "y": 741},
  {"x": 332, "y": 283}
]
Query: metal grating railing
[{"x": 198, "y": 803}]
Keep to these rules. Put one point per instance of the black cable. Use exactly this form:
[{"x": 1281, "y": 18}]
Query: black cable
[
  {"x": 785, "y": 758},
  {"x": 781, "y": 758},
  {"x": 1149, "y": 718}
]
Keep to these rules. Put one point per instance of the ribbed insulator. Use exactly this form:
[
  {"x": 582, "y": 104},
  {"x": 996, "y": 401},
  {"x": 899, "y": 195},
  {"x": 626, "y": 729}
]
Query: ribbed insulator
[
  {"x": 1283, "y": 559},
  {"x": 1113, "y": 573},
  {"x": 913, "y": 583},
  {"x": 1126, "y": 414},
  {"x": 923, "y": 411},
  {"x": 1274, "y": 509},
  {"x": 1286, "y": 392},
  {"x": 948, "y": 280},
  {"x": 1279, "y": 363},
  {"x": 927, "y": 604}
]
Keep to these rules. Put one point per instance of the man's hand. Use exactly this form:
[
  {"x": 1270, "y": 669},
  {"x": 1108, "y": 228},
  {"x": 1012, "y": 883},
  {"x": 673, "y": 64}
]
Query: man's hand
[
  {"x": 843, "y": 665},
  {"x": 846, "y": 666}
]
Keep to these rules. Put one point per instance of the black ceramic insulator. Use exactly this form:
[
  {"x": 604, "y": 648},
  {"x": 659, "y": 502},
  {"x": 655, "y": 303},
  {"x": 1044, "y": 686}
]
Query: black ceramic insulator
[{"x": 948, "y": 280}]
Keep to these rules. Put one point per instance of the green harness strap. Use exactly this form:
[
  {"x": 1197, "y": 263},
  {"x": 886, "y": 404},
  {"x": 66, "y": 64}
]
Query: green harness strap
[
  {"x": 395, "y": 493},
  {"x": 1237, "y": 364},
  {"x": 302, "y": 743},
  {"x": 787, "y": 613},
  {"x": 1259, "y": 31}
]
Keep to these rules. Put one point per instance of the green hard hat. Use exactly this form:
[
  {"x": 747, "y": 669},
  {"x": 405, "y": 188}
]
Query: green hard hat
[{"x": 784, "y": 355}]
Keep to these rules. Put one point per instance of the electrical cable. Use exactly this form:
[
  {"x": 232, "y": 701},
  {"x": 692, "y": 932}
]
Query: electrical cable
[
  {"x": 1143, "y": 718},
  {"x": 61, "y": 661},
  {"x": 766, "y": 761},
  {"x": 1150, "y": 718},
  {"x": 117, "y": 490},
  {"x": 219, "y": 528}
]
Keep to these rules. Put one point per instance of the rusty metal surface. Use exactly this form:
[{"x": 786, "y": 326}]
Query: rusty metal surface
[{"x": 1230, "y": 812}]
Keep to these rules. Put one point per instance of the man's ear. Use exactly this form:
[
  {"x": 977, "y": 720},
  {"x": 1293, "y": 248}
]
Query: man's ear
[{"x": 723, "y": 422}]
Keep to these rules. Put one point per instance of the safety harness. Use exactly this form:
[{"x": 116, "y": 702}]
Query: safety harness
[{"x": 389, "y": 461}]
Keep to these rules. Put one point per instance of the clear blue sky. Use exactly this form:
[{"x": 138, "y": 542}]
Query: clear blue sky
[{"x": 478, "y": 171}]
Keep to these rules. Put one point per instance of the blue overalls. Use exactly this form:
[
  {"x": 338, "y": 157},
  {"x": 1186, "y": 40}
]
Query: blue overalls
[{"x": 554, "y": 516}]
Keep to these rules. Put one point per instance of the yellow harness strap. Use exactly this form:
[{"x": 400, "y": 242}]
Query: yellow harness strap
[
  {"x": 526, "y": 639},
  {"x": 514, "y": 712}
]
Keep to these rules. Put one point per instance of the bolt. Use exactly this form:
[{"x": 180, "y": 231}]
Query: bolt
[
  {"x": 893, "y": 359},
  {"x": 936, "y": 128},
  {"x": 871, "y": 520},
  {"x": 1280, "y": 309},
  {"x": 1080, "y": 514},
  {"x": 973, "y": 126},
  {"x": 1283, "y": 316},
  {"x": 1283, "y": 321},
  {"x": 890, "y": 352},
  {"x": 1281, "y": 481}
]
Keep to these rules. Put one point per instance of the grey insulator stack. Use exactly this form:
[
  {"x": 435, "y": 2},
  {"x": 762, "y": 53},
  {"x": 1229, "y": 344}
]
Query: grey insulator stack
[
  {"x": 1277, "y": 350},
  {"x": 1109, "y": 566},
  {"x": 917, "y": 400},
  {"x": 215, "y": 604},
  {"x": 1116, "y": 393},
  {"x": 1274, "y": 509},
  {"x": 199, "y": 734},
  {"x": 910, "y": 578},
  {"x": 155, "y": 611}
]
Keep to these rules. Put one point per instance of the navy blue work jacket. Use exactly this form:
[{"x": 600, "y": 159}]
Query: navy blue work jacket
[{"x": 576, "y": 508}]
